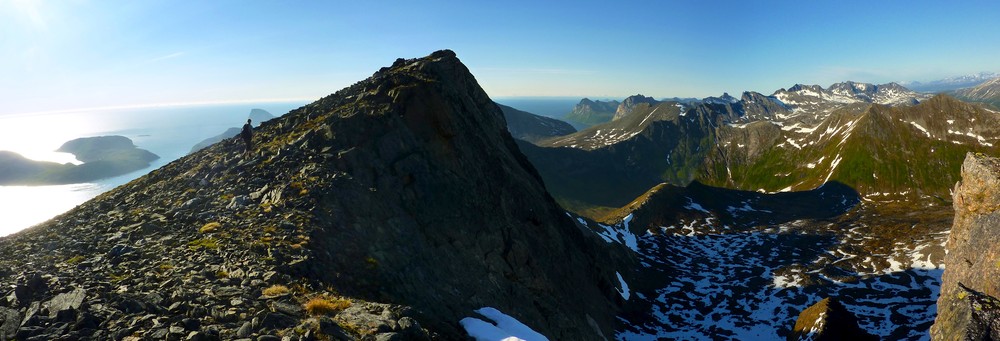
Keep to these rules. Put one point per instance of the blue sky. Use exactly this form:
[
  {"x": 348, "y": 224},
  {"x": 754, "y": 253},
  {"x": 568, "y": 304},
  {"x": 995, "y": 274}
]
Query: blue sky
[{"x": 67, "y": 54}]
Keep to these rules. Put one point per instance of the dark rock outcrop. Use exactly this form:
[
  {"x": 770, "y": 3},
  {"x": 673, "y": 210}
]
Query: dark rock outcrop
[
  {"x": 629, "y": 104},
  {"x": 390, "y": 209},
  {"x": 102, "y": 157},
  {"x": 828, "y": 320},
  {"x": 973, "y": 254},
  {"x": 984, "y": 316},
  {"x": 533, "y": 128}
]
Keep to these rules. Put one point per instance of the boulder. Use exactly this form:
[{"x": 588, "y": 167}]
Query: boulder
[{"x": 829, "y": 320}]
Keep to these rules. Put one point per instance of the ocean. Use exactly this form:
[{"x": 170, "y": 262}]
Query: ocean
[
  {"x": 169, "y": 132},
  {"x": 555, "y": 107}
]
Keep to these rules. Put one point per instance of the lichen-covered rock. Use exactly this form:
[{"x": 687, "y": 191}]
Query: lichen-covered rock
[
  {"x": 973, "y": 247},
  {"x": 984, "y": 319},
  {"x": 828, "y": 319}
]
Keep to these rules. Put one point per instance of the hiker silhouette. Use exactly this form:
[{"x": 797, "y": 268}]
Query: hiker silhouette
[{"x": 247, "y": 135}]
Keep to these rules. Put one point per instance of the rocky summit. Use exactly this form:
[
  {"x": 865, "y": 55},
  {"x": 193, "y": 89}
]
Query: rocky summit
[{"x": 389, "y": 210}]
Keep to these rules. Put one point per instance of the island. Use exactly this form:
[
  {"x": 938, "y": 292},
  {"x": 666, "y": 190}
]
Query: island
[
  {"x": 257, "y": 116},
  {"x": 102, "y": 157}
]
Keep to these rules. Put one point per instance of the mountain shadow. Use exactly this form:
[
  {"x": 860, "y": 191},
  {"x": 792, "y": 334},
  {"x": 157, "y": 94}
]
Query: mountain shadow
[{"x": 736, "y": 210}]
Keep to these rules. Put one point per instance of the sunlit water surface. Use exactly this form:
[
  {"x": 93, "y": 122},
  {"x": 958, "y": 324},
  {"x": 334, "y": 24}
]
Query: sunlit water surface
[{"x": 169, "y": 132}]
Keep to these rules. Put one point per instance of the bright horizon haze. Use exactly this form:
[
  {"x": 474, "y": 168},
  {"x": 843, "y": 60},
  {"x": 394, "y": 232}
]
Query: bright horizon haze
[{"x": 63, "y": 55}]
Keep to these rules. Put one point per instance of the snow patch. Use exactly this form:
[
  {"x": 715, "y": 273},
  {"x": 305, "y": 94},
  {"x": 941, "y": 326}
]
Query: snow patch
[
  {"x": 503, "y": 328},
  {"x": 624, "y": 291},
  {"x": 921, "y": 128},
  {"x": 692, "y": 206}
]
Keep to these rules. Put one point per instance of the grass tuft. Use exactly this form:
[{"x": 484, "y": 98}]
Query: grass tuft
[
  {"x": 320, "y": 305},
  {"x": 275, "y": 290},
  {"x": 210, "y": 227}
]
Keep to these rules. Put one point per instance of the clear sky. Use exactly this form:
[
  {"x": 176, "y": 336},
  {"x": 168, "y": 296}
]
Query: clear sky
[{"x": 65, "y": 54}]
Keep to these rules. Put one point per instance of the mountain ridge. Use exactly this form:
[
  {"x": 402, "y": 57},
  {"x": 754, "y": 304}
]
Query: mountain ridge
[
  {"x": 591, "y": 112},
  {"x": 369, "y": 199}
]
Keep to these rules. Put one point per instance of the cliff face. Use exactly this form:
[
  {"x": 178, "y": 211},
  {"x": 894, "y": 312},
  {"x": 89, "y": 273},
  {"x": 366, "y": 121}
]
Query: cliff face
[
  {"x": 401, "y": 201},
  {"x": 973, "y": 257}
]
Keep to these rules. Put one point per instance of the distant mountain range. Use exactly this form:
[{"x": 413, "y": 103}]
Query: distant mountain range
[
  {"x": 951, "y": 83},
  {"x": 866, "y": 136},
  {"x": 987, "y": 92}
]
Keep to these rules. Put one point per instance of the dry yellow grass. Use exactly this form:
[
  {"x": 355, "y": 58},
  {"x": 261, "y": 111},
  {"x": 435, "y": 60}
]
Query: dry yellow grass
[
  {"x": 325, "y": 306},
  {"x": 210, "y": 227},
  {"x": 275, "y": 290}
]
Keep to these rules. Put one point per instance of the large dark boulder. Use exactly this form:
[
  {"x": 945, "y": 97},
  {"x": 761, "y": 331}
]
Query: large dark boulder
[{"x": 828, "y": 320}]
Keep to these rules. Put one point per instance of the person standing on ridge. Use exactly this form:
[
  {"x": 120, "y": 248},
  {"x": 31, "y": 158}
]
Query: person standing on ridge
[{"x": 247, "y": 135}]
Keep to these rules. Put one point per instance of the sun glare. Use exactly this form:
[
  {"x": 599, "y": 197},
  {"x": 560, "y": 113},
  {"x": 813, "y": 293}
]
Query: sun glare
[{"x": 29, "y": 9}]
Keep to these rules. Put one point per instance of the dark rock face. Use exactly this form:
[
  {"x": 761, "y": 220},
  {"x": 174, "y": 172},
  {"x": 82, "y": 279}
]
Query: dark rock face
[
  {"x": 425, "y": 137},
  {"x": 391, "y": 209},
  {"x": 629, "y": 104},
  {"x": 973, "y": 252},
  {"x": 103, "y": 157},
  {"x": 760, "y": 107},
  {"x": 532, "y": 128},
  {"x": 984, "y": 319},
  {"x": 828, "y": 320}
]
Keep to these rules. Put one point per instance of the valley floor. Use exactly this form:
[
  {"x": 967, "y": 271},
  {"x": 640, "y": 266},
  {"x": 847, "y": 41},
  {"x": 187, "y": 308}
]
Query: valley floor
[{"x": 706, "y": 281}]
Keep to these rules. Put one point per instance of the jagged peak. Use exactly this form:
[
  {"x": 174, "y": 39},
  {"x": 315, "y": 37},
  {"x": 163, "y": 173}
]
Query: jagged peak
[{"x": 800, "y": 87}]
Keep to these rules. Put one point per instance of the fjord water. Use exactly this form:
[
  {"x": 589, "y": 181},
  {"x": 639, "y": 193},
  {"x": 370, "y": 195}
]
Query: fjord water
[{"x": 169, "y": 132}]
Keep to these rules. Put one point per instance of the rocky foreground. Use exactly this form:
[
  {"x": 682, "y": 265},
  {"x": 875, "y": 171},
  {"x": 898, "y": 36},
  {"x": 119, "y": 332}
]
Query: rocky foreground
[
  {"x": 389, "y": 210},
  {"x": 973, "y": 258}
]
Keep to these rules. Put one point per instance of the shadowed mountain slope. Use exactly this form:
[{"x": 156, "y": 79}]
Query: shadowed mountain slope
[{"x": 532, "y": 128}]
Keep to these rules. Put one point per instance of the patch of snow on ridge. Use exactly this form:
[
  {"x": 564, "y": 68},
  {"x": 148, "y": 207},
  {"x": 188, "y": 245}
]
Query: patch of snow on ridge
[
  {"x": 806, "y": 130},
  {"x": 691, "y": 206},
  {"x": 624, "y": 291},
  {"x": 503, "y": 328},
  {"x": 650, "y": 115},
  {"x": 614, "y": 234},
  {"x": 921, "y": 128}
]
